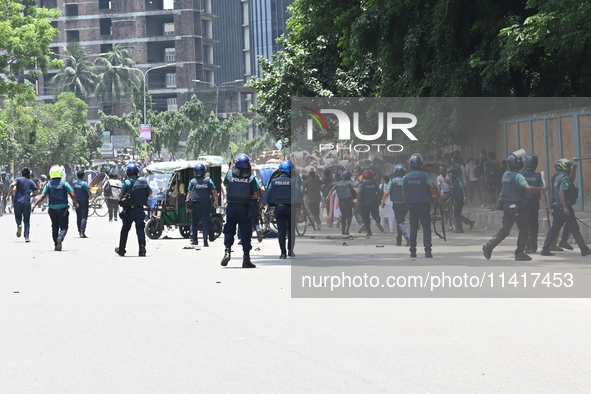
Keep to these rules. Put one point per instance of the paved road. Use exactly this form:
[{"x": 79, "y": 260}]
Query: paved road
[{"x": 85, "y": 320}]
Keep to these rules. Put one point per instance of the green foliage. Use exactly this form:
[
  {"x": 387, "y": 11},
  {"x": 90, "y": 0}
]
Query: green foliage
[
  {"x": 114, "y": 76},
  {"x": 25, "y": 36},
  {"x": 427, "y": 48},
  {"x": 77, "y": 76}
]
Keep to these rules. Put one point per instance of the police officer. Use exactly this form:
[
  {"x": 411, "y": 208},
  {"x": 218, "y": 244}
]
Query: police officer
[
  {"x": 201, "y": 190},
  {"x": 25, "y": 188},
  {"x": 554, "y": 247},
  {"x": 458, "y": 195},
  {"x": 58, "y": 190},
  {"x": 514, "y": 187},
  {"x": 370, "y": 204},
  {"x": 136, "y": 192},
  {"x": 82, "y": 192},
  {"x": 346, "y": 193},
  {"x": 564, "y": 196},
  {"x": 394, "y": 191},
  {"x": 417, "y": 190},
  {"x": 241, "y": 185},
  {"x": 531, "y": 205},
  {"x": 284, "y": 194}
]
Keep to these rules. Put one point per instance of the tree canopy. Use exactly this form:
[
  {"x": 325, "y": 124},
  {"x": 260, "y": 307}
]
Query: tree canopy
[{"x": 426, "y": 48}]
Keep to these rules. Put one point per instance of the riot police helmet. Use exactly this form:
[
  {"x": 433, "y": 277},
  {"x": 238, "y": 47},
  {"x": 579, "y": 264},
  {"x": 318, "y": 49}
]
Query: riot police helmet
[{"x": 199, "y": 170}]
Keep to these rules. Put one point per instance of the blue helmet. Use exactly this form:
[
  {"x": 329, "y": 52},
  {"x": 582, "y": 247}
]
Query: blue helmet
[
  {"x": 243, "y": 162},
  {"x": 415, "y": 161},
  {"x": 399, "y": 170},
  {"x": 199, "y": 170},
  {"x": 285, "y": 166},
  {"x": 132, "y": 169},
  {"x": 514, "y": 163},
  {"x": 346, "y": 175},
  {"x": 131, "y": 161},
  {"x": 530, "y": 161}
]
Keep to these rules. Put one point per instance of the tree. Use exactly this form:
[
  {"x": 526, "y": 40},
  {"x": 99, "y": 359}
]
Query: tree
[
  {"x": 25, "y": 36},
  {"x": 114, "y": 76},
  {"x": 77, "y": 76},
  {"x": 427, "y": 48}
]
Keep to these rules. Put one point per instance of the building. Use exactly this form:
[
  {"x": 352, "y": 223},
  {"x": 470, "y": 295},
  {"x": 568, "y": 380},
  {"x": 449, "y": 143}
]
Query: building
[
  {"x": 174, "y": 35},
  {"x": 244, "y": 30}
]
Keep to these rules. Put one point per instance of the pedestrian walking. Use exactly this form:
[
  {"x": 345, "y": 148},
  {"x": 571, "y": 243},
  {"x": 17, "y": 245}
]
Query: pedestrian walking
[
  {"x": 112, "y": 189},
  {"x": 82, "y": 192},
  {"x": 418, "y": 190},
  {"x": 241, "y": 185},
  {"x": 394, "y": 191},
  {"x": 24, "y": 188},
  {"x": 369, "y": 195},
  {"x": 201, "y": 191},
  {"x": 386, "y": 211},
  {"x": 532, "y": 201},
  {"x": 312, "y": 187},
  {"x": 57, "y": 190},
  {"x": 512, "y": 203},
  {"x": 284, "y": 195},
  {"x": 480, "y": 175},
  {"x": 134, "y": 198},
  {"x": 458, "y": 195},
  {"x": 564, "y": 196},
  {"x": 346, "y": 194}
]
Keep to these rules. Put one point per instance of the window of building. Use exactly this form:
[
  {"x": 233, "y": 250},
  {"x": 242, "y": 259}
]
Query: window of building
[
  {"x": 72, "y": 10},
  {"x": 49, "y": 4},
  {"x": 106, "y": 48},
  {"x": 171, "y": 104},
  {"x": 72, "y": 35},
  {"x": 170, "y": 55},
  {"x": 106, "y": 26},
  {"x": 208, "y": 76},
  {"x": 168, "y": 4},
  {"x": 169, "y": 29},
  {"x": 104, "y": 4},
  {"x": 171, "y": 80}
]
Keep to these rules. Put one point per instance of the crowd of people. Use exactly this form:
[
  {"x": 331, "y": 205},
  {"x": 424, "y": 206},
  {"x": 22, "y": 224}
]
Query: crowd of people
[{"x": 365, "y": 191}]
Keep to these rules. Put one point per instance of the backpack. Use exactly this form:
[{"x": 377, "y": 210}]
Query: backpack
[
  {"x": 108, "y": 190},
  {"x": 491, "y": 173}
]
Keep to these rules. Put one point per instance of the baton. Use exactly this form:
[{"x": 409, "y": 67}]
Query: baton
[
  {"x": 583, "y": 223},
  {"x": 547, "y": 213}
]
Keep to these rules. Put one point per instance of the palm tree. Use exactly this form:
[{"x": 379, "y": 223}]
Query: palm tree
[
  {"x": 114, "y": 77},
  {"x": 77, "y": 76}
]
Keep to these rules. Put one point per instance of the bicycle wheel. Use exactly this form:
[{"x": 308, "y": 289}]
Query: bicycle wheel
[
  {"x": 301, "y": 224},
  {"x": 100, "y": 207}
]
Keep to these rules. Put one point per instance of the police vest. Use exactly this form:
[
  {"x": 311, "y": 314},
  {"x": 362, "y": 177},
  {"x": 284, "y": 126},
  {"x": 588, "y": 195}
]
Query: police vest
[
  {"x": 533, "y": 179},
  {"x": 139, "y": 192},
  {"x": 79, "y": 192},
  {"x": 239, "y": 189},
  {"x": 396, "y": 192},
  {"x": 200, "y": 191},
  {"x": 571, "y": 194},
  {"x": 369, "y": 191},
  {"x": 343, "y": 189},
  {"x": 510, "y": 192},
  {"x": 58, "y": 195},
  {"x": 455, "y": 190},
  {"x": 416, "y": 188},
  {"x": 280, "y": 191}
]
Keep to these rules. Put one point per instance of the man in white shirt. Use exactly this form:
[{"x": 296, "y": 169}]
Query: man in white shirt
[
  {"x": 471, "y": 181},
  {"x": 442, "y": 182},
  {"x": 113, "y": 199}
]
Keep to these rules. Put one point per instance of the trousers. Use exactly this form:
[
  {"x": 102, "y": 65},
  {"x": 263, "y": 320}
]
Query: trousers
[
  {"x": 129, "y": 216},
  {"x": 420, "y": 213}
]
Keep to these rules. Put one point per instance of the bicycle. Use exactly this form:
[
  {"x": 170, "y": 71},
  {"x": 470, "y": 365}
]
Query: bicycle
[{"x": 302, "y": 217}]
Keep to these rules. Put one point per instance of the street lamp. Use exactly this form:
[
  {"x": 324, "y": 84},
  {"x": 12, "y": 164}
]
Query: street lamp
[
  {"x": 217, "y": 91},
  {"x": 144, "y": 74}
]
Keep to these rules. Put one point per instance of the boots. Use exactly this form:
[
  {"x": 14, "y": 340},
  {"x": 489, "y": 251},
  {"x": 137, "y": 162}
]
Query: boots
[
  {"x": 428, "y": 253},
  {"x": 520, "y": 256},
  {"x": 120, "y": 251},
  {"x": 227, "y": 257},
  {"x": 142, "y": 252},
  {"x": 246, "y": 262},
  {"x": 490, "y": 245}
]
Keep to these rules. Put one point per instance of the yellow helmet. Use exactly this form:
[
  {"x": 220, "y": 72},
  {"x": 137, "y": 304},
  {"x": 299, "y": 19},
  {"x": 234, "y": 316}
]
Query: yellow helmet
[{"x": 55, "y": 172}]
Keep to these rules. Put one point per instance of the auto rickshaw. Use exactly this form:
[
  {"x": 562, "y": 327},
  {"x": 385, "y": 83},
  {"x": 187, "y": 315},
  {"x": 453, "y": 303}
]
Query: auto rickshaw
[{"x": 169, "y": 183}]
